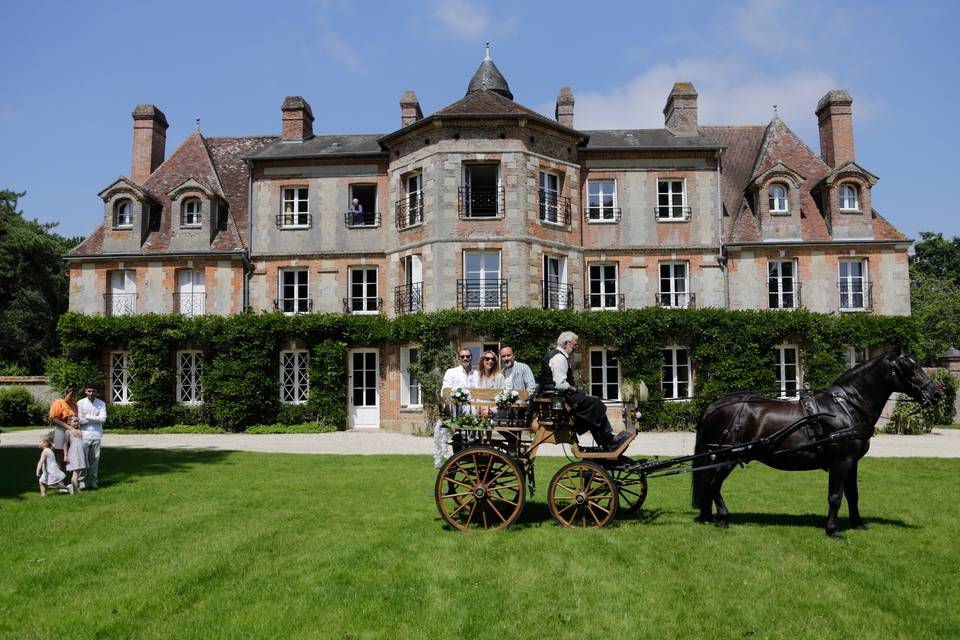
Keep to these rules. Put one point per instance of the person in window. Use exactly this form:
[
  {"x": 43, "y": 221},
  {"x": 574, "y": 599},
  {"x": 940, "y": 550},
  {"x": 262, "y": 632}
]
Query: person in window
[
  {"x": 465, "y": 376},
  {"x": 356, "y": 213},
  {"x": 589, "y": 412}
]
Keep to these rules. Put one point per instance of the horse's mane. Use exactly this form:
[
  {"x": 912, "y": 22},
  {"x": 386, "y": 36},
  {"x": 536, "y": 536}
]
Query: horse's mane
[{"x": 860, "y": 368}]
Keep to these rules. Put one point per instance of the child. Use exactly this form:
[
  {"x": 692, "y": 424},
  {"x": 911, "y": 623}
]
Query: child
[
  {"x": 48, "y": 471},
  {"x": 74, "y": 454}
]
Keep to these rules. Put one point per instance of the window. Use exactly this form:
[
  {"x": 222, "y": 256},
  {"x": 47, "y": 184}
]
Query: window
[
  {"x": 480, "y": 195},
  {"x": 778, "y": 198},
  {"x": 409, "y": 383},
  {"x": 296, "y": 207},
  {"x": 366, "y": 196},
  {"x": 849, "y": 200},
  {"x": 223, "y": 216},
  {"x": 854, "y": 356},
  {"x": 603, "y": 287},
  {"x": 410, "y": 208},
  {"x": 556, "y": 293},
  {"x": 294, "y": 291},
  {"x": 673, "y": 285},
  {"x": 604, "y": 374},
  {"x": 189, "y": 369},
  {"x": 854, "y": 287},
  {"x": 294, "y": 377},
  {"x": 601, "y": 200},
  {"x": 550, "y": 198},
  {"x": 190, "y": 213},
  {"x": 363, "y": 290},
  {"x": 672, "y": 200},
  {"x": 123, "y": 214},
  {"x": 191, "y": 294},
  {"x": 409, "y": 296},
  {"x": 781, "y": 284},
  {"x": 120, "y": 377},
  {"x": 788, "y": 370},
  {"x": 675, "y": 379},
  {"x": 122, "y": 299},
  {"x": 482, "y": 287}
]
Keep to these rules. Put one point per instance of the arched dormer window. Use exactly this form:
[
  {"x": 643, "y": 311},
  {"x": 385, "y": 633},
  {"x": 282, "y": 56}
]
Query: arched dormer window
[
  {"x": 123, "y": 214},
  {"x": 778, "y": 198},
  {"x": 190, "y": 213},
  {"x": 849, "y": 197}
]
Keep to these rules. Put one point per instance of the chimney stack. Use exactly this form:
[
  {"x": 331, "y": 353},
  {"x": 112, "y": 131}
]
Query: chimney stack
[
  {"x": 564, "y": 110},
  {"x": 681, "y": 110},
  {"x": 149, "y": 141},
  {"x": 297, "y": 119},
  {"x": 835, "y": 115},
  {"x": 409, "y": 109}
]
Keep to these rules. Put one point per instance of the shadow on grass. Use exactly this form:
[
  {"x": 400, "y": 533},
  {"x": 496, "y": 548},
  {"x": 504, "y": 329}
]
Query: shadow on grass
[
  {"x": 116, "y": 466},
  {"x": 817, "y": 521}
]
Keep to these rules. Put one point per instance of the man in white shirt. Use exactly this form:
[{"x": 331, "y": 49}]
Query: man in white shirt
[
  {"x": 462, "y": 375},
  {"x": 91, "y": 413}
]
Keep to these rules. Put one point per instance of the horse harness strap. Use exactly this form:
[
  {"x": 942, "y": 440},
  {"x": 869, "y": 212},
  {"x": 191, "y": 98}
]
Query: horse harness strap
[{"x": 808, "y": 404}]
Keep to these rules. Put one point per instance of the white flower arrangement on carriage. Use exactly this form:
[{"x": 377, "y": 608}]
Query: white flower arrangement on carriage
[
  {"x": 460, "y": 395},
  {"x": 506, "y": 397}
]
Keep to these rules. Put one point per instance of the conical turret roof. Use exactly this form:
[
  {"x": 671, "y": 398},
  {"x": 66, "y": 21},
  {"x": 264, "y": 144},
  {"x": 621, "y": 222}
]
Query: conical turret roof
[{"x": 489, "y": 77}]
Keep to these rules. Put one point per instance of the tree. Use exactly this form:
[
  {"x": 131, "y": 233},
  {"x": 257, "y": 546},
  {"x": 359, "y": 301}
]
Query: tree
[
  {"x": 34, "y": 287},
  {"x": 935, "y": 292}
]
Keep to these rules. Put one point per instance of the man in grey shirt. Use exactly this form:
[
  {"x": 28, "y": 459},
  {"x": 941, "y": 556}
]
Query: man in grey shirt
[{"x": 516, "y": 375}]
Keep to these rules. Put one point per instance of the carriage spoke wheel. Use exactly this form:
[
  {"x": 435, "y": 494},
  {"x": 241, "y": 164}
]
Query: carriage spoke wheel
[
  {"x": 631, "y": 489},
  {"x": 480, "y": 488},
  {"x": 582, "y": 494}
]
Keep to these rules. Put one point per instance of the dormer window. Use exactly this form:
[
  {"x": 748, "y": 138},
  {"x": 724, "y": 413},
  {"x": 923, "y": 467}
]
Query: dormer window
[
  {"x": 849, "y": 198},
  {"x": 190, "y": 213},
  {"x": 778, "y": 198},
  {"x": 123, "y": 214}
]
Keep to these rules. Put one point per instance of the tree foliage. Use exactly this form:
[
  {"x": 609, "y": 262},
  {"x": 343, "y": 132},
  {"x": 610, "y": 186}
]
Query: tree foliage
[{"x": 935, "y": 293}]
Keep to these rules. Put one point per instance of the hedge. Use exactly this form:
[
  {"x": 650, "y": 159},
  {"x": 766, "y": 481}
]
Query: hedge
[{"x": 731, "y": 350}]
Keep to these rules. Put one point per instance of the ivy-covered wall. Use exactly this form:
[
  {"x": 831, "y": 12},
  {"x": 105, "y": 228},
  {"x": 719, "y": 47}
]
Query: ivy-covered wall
[{"x": 731, "y": 350}]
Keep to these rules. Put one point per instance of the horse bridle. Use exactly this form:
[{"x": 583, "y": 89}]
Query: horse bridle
[{"x": 926, "y": 398}]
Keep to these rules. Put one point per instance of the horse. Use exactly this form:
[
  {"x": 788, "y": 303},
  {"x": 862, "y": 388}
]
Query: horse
[{"x": 834, "y": 438}]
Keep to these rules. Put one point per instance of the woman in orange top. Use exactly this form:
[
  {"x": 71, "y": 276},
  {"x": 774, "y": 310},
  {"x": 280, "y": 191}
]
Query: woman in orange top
[{"x": 63, "y": 417}]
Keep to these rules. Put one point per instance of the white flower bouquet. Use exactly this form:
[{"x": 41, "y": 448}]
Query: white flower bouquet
[
  {"x": 506, "y": 397},
  {"x": 460, "y": 396}
]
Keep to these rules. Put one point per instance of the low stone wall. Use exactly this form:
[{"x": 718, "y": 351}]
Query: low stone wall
[{"x": 38, "y": 387}]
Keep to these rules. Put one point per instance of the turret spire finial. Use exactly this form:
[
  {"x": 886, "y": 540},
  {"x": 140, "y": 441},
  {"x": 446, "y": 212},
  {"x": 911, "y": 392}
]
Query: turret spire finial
[{"x": 487, "y": 54}]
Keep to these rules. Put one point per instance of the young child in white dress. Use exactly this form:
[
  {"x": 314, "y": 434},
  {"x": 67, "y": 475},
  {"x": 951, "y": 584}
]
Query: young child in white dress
[
  {"x": 74, "y": 454},
  {"x": 48, "y": 471}
]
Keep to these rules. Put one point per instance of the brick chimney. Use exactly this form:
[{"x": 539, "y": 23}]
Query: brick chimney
[
  {"x": 149, "y": 141},
  {"x": 409, "y": 108},
  {"x": 564, "y": 110},
  {"x": 681, "y": 110},
  {"x": 835, "y": 115},
  {"x": 297, "y": 119}
]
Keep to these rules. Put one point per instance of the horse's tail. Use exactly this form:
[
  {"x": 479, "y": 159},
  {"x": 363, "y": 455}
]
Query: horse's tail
[{"x": 700, "y": 477}]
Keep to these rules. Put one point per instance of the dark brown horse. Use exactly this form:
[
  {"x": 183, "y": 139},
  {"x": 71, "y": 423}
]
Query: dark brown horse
[{"x": 835, "y": 442}]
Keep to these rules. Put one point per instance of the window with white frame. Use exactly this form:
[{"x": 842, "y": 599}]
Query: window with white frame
[
  {"x": 603, "y": 292},
  {"x": 190, "y": 213},
  {"x": 295, "y": 209},
  {"x": 788, "y": 370},
  {"x": 121, "y": 376},
  {"x": 191, "y": 292},
  {"x": 854, "y": 356},
  {"x": 481, "y": 283},
  {"x": 294, "y": 291},
  {"x": 556, "y": 293},
  {"x": 854, "y": 285},
  {"x": 778, "y": 198},
  {"x": 672, "y": 200},
  {"x": 294, "y": 376},
  {"x": 849, "y": 200},
  {"x": 601, "y": 200},
  {"x": 550, "y": 197},
  {"x": 674, "y": 289},
  {"x": 409, "y": 383},
  {"x": 412, "y": 212},
  {"x": 363, "y": 290},
  {"x": 122, "y": 299},
  {"x": 675, "y": 377},
  {"x": 604, "y": 374},
  {"x": 189, "y": 369},
  {"x": 123, "y": 214},
  {"x": 782, "y": 284}
]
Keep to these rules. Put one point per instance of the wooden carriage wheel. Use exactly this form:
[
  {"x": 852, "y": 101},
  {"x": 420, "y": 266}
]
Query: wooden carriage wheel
[
  {"x": 480, "y": 488},
  {"x": 582, "y": 494},
  {"x": 631, "y": 489}
]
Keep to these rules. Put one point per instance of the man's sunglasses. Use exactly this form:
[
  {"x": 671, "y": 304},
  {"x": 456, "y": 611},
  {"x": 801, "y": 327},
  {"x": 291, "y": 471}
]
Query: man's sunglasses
[{"x": 466, "y": 357}]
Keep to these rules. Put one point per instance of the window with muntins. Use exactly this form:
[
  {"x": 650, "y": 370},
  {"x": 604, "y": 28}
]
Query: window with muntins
[
  {"x": 409, "y": 384},
  {"x": 603, "y": 287},
  {"x": 673, "y": 285},
  {"x": 604, "y": 374},
  {"x": 123, "y": 214},
  {"x": 363, "y": 290},
  {"x": 778, "y": 198},
  {"x": 672, "y": 200},
  {"x": 853, "y": 285},
  {"x": 190, "y": 213},
  {"x": 295, "y": 210},
  {"x": 675, "y": 378},
  {"x": 189, "y": 370},
  {"x": 601, "y": 200},
  {"x": 481, "y": 284},
  {"x": 120, "y": 377},
  {"x": 788, "y": 370},
  {"x": 781, "y": 284},
  {"x": 849, "y": 200},
  {"x": 294, "y": 291},
  {"x": 550, "y": 197},
  {"x": 294, "y": 376}
]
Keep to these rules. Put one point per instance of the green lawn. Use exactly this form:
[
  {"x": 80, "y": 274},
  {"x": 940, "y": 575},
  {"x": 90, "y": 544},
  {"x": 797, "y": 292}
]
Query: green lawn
[{"x": 210, "y": 544}]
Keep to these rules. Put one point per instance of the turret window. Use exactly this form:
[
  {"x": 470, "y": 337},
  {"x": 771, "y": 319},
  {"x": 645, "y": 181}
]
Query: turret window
[
  {"x": 849, "y": 200},
  {"x": 123, "y": 215},
  {"x": 778, "y": 198}
]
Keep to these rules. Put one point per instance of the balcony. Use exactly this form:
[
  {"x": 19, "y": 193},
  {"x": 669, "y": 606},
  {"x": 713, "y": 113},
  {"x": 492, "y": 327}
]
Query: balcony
[
  {"x": 855, "y": 295},
  {"x": 481, "y": 294},
  {"x": 364, "y": 304},
  {"x": 602, "y": 214},
  {"x": 293, "y": 305},
  {"x": 359, "y": 220},
  {"x": 120, "y": 304},
  {"x": 294, "y": 220},
  {"x": 604, "y": 302},
  {"x": 675, "y": 214},
  {"x": 189, "y": 304},
  {"x": 480, "y": 202},
  {"x": 786, "y": 299},
  {"x": 554, "y": 208},
  {"x": 408, "y": 298},
  {"x": 408, "y": 211},
  {"x": 676, "y": 300},
  {"x": 556, "y": 295}
]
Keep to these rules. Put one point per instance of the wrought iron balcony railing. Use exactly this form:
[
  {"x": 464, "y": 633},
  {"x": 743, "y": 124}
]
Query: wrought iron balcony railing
[
  {"x": 408, "y": 211},
  {"x": 120, "y": 304},
  {"x": 293, "y": 305},
  {"x": 359, "y": 220},
  {"x": 556, "y": 295},
  {"x": 554, "y": 208},
  {"x": 602, "y": 214},
  {"x": 189, "y": 304},
  {"x": 676, "y": 300},
  {"x": 786, "y": 299},
  {"x": 294, "y": 220},
  {"x": 604, "y": 301},
  {"x": 672, "y": 213},
  {"x": 408, "y": 298},
  {"x": 364, "y": 304},
  {"x": 481, "y": 294},
  {"x": 480, "y": 202},
  {"x": 855, "y": 295}
]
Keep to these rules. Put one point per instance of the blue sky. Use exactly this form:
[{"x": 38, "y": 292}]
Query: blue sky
[{"x": 73, "y": 71}]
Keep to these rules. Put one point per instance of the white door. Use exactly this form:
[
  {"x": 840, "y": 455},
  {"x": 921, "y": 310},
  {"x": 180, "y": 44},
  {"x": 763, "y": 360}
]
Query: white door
[{"x": 364, "y": 389}]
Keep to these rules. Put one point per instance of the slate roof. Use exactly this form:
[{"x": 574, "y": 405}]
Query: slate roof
[
  {"x": 489, "y": 78},
  {"x": 610, "y": 139},
  {"x": 321, "y": 147}
]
